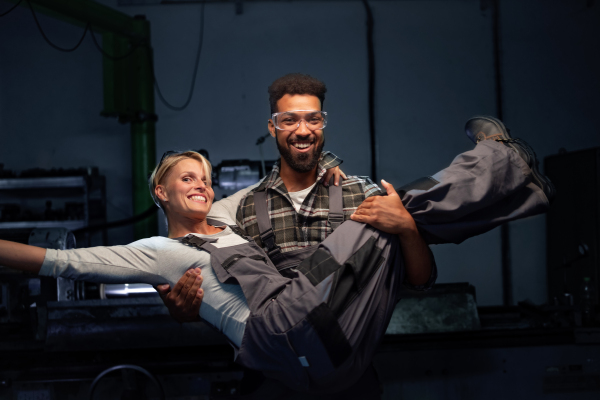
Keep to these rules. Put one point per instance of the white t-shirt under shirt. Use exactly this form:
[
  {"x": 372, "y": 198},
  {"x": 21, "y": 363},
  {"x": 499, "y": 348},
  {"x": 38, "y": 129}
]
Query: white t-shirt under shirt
[
  {"x": 225, "y": 209},
  {"x": 298, "y": 197}
]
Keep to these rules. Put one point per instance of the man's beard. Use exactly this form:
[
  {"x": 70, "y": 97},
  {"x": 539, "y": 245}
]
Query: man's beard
[{"x": 301, "y": 162}]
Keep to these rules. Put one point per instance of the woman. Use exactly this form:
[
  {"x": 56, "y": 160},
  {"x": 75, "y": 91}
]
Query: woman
[{"x": 278, "y": 325}]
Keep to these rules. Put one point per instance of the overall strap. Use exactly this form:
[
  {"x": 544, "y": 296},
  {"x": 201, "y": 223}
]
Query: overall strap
[
  {"x": 204, "y": 244},
  {"x": 336, "y": 205},
  {"x": 264, "y": 224},
  {"x": 236, "y": 229}
]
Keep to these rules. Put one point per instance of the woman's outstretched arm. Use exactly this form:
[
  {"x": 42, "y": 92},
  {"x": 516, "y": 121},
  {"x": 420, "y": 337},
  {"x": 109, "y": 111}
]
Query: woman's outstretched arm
[
  {"x": 21, "y": 256},
  {"x": 133, "y": 263}
]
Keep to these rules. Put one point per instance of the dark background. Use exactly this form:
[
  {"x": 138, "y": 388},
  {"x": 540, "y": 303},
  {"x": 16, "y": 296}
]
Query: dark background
[{"x": 434, "y": 70}]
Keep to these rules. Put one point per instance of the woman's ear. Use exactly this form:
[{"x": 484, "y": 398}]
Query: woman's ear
[{"x": 161, "y": 193}]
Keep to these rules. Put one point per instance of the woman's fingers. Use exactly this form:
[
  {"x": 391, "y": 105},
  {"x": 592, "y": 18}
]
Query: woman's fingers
[
  {"x": 334, "y": 172},
  {"x": 337, "y": 172},
  {"x": 327, "y": 177}
]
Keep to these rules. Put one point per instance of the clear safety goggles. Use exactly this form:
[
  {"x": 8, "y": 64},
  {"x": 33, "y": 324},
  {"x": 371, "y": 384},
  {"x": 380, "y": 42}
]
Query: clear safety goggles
[{"x": 290, "y": 120}]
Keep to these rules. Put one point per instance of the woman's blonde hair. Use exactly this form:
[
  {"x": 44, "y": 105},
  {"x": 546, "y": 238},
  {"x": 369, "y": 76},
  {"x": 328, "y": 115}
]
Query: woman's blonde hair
[{"x": 168, "y": 162}]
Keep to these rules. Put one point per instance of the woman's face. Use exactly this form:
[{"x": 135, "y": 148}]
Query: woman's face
[{"x": 186, "y": 190}]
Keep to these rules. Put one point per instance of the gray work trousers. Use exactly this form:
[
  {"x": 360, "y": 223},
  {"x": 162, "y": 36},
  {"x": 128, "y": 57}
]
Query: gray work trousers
[
  {"x": 477, "y": 192},
  {"x": 480, "y": 190}
]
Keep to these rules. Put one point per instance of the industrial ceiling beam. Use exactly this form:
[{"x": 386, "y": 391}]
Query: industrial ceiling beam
[{"x": 81, "y": 12}]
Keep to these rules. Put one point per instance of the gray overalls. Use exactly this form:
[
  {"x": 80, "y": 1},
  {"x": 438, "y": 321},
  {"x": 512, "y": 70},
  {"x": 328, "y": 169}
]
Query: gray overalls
[
  {"x": 318, "y": 314},
  {"x": 316, "y": 328}
]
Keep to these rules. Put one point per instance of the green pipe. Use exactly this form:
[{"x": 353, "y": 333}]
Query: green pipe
[
  {"x": 144, "y": 157},
  {"x": 115, "y": 77},
  {"x": 143, "y": 130}
]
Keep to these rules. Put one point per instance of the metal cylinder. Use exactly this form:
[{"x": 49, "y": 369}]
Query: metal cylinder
[
  {"x": 120, "y": 290},
  {"x": 52, "y": 238}
]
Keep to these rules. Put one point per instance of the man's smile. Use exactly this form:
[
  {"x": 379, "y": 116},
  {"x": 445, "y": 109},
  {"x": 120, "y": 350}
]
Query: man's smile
[{"x": 302, "y": 146}]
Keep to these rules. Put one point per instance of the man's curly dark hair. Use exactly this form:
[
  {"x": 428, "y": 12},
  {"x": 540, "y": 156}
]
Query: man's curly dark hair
[{"x": 295, "y": 84}]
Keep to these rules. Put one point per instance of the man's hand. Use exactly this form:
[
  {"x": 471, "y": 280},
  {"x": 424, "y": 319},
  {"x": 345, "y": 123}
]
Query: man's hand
[
  {"x": 335, "y": 171},
  {"x": 386, "y": 213},
  {"x": 184, "y": 300}
]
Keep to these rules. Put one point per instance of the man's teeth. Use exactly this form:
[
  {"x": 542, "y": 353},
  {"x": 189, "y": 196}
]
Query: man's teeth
[
  {"x": 301, "y": 145},
  {"x": 198, "y": 198}
]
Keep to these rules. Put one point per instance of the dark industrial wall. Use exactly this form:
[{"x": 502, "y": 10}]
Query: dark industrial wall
[{"x": 434, "y": 70}]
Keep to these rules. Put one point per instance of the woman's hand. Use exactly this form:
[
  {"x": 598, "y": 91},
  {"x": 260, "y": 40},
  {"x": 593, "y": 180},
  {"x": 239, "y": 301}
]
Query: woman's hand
[
  {"x": 335, "y": 172},
  {"x": 186, "y": 297}
]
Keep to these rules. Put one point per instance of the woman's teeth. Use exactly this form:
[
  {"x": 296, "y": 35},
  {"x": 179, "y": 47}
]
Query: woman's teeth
[{"x": 198, "y": 198}]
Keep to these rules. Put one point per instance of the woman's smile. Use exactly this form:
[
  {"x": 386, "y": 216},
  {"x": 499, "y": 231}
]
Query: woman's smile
[{"x": 200, "y": 198}]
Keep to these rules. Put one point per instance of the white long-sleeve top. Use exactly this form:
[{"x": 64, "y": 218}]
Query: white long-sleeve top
[{"x": 158, "y": 260}]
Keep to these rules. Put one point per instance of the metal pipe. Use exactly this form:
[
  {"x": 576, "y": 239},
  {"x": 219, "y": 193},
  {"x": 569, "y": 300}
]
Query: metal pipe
[
  {"x": 143, "y": 131},
  {"x": 108, "y": 291},
  {"x": 143, "y": 145},
  {"x": 371, "y": 89},
  {"x": 507, "y": 289}
]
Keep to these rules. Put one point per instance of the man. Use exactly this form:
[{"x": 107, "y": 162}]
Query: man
[
  {"x": 444, "y": 210},
  {"x": 297, "y": 202}
]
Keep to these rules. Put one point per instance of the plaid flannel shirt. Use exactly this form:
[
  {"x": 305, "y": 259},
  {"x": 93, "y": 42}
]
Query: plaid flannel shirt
[{"x": 296, "y": 230}]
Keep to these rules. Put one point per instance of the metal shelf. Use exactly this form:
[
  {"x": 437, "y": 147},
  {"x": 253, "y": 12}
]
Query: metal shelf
[
  {"x": 28, "y": 194},
  {"x": 41, "y": 183}
]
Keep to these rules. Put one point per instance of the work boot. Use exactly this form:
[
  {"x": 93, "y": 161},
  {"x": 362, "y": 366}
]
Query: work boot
[{"x": 490, "y": 128}]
